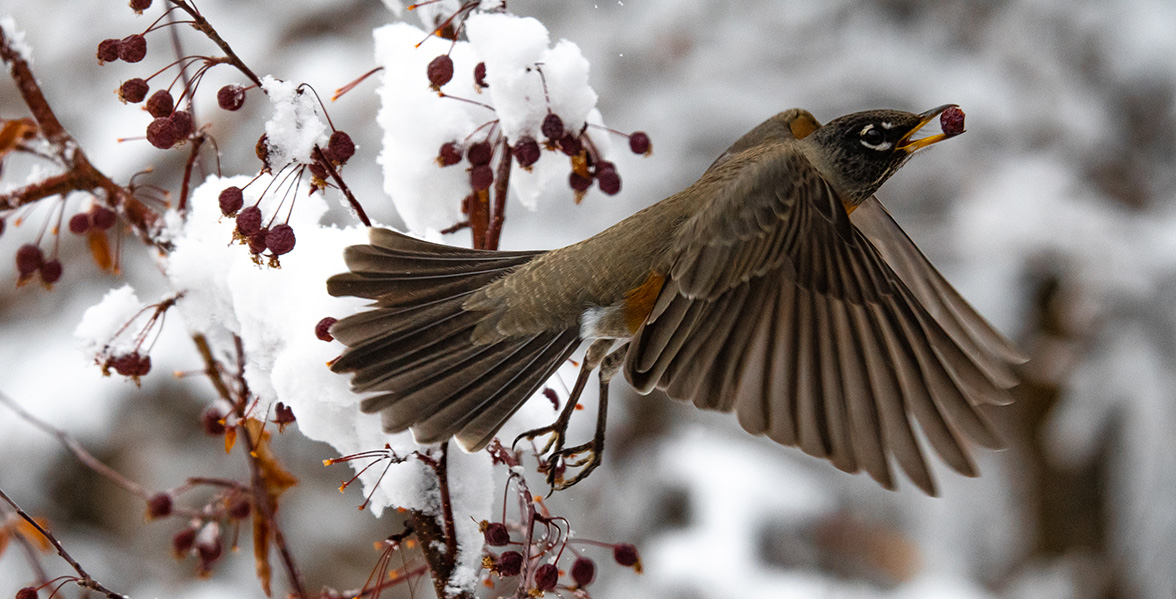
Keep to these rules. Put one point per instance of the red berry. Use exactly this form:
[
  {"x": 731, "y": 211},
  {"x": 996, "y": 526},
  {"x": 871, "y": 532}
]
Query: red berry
[
  {"x": 29, "y": 259},
  {"x": 102, "y": 218},
  {"x": 231, "y": 97},
  {"x": 526, "y": 152},
  {"x": 570, "y": 144},
  {"x": 79, "y": 223},
  {"x": 639, "y": 143},
  {"x": 608, "y": 180},
  {"x": 495, "y": 534},
  {"x": 257, "y": 241},
  {"x": 51, "y": 272},
  {"x": 212, "y": 420},
  {"x": 317, "y": 170},
  {"x": 209, "y": 548},
  {"x": 1, "y": 226},
  {"x": 108, "y": 51},
  {"x": 283, "y": 414},
  {"x": 132, "y": 364},
  {"x": 140, "y": 5},
  {"x": 952, "y": 121},
  {"x": 579, "y": 182},
  {"x": 280, "y": 239},
  {"x": 480, "y": 75},
  {"x": 480, "y": 153},
  {"x": 133, "y": 90},
  {"x": 510, "y": 563},
  {"x": 440, "y": 71},
  {"x": 27, "y": 593},
  {"x": 160, "y": 104},
  {"x": 132, "y": 48},
  {"x": 449, "y": 155},
  {"x": 261, "y": 148},
  {"x": 583, "y": 571},
  {"x": 162, "y": 133},
  {"x": 341, "y": 147},
  {"x": 183, "y": 541},
  {"x": 159, "y": 505},
  {"x": 240, "y": 508},
  {"x": 625, "y": 554},
  {"x": 249, "y": 221},
  {"x": 322, "y": 330},
  {"x": 481, "y": 177},
  {"x": 546, "y": 577},
  {"x": 182, "y": 121},
  {"x": 553, "y": 126},
  {"x": 231, "y": 199}
]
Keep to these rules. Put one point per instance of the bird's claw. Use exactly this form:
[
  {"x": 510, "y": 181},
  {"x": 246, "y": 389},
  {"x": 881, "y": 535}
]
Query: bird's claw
[{"x": 560, "y": 460}]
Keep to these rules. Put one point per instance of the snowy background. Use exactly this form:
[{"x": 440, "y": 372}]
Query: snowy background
[{"x": 1054, "y": 215}]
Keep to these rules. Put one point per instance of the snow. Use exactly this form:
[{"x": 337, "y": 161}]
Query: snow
[
  {"x": 111, "y": 327},
  {"x": 296, "y": 126},
  {"x": 15, "y": 38}
]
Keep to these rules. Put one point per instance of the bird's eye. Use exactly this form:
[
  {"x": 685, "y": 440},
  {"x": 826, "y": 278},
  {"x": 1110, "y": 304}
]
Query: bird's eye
[{"x": 873, "y": 138}]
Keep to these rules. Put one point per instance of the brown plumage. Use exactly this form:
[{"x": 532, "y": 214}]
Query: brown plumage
[{"x": 776, "y": 287}]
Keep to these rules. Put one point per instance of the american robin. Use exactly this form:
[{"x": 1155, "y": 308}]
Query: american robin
[{"x": 776, "y": 287}]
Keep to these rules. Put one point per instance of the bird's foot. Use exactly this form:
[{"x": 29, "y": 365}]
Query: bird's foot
[{"x": 585, "y": 458}]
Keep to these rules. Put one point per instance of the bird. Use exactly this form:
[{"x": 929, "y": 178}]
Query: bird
[{"x": 776, "y": 287}]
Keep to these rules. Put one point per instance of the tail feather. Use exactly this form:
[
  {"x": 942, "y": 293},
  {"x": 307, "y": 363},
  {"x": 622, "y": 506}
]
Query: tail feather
[{"x": 415, "y": 346}]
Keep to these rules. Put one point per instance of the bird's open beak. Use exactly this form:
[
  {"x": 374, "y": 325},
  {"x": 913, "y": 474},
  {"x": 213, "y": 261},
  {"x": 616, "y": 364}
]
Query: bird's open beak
[{"x": 910, "y": 145}]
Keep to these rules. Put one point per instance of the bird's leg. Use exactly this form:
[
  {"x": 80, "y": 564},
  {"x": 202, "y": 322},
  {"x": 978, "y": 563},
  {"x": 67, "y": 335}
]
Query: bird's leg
[
  {"x": 558, "y": 429},
  {"x": 594, "y": 448}
]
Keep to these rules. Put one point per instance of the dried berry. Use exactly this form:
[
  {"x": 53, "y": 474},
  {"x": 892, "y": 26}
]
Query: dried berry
[
  {"x": 249, "y": 221},
  {"x": 480, "y": 153},
  {"x": 480, "y": 76},
  {"x": 108, "y": 51},
  {"x": 160, "y": 104},
  {"x": 162, "y": 133},
  {"x": 140, "y": 5},
  {"x": 449, "y": 155},
  {"x": 579, "y": 182},
  {"x": 231, "y": 97},
  {"x": 79, "y": 223},
  {"x": 283, "y": 415},
  {"x": 553, "y": 126},
  {"x": 27, "y": 593},
  {"x": 526, "y": 152},
  {"x": 1, "y": 226},
  {"x": 440, "y": 71},
  {"x": 182, "y": 121},
  {"x": 240, "y": 508},
  {"x": 495, "y": 533},
  {"x": 231, "y": 199},
  {"x": 280, "y": 239},
  {"x": 625, "y": 554},
  {"x": 481, "y": 177},
  {"x": 213, "y": 421},
  {"x": 257, "y": 241},
  {"x": 133, "y": 90},
  {"x": 51, "y": 271},
  {"x": 546, "y": 577},
  {"x": 341, "y": 147},
  {"x": 102, "y": 218},
  {"x": 209, "y": 547},
  {"x": 261, "y": 148},
  {"x": 322, "y": 330},
  {"x": 952, "y": 121},
  {"x": 608, "y": 179},
  {"x": 317, "y": 170},
  {"x": 159, "y": 505},
  {"x": 29, "y": 259},
  {"x": 639, "y": 143},
  {"x": 570, "y": 144},
  {"x": 133, "y": 364},
  {"x": 583, "y": 571},
  {"x": 132, "y": 48},
  {"x": 183, "y": 541},
  {"x": 510, "y": 563}
]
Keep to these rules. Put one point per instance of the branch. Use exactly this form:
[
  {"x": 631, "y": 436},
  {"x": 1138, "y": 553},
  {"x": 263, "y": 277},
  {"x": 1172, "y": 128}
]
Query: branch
[
  {"x": 202, "y": 25},
  {"x": 501, "y": 186},
  {"x": 84, "y": 579}
]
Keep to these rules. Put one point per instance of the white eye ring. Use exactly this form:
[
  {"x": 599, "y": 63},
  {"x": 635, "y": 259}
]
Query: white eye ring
[{"x": 881, "y": 147}]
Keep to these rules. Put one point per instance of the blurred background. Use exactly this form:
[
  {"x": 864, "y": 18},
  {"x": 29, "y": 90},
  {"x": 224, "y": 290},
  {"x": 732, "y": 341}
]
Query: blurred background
[{"x": 1054, "y": 215}]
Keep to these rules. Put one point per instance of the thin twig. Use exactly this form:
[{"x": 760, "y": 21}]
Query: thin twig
[
  {"x": 501, "y": 186},
  {"x": 84, "y": 580}
]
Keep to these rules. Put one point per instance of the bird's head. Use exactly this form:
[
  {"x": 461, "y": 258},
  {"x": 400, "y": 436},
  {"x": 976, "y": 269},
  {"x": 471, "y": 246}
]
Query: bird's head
[{"x": 858, "y": 152}]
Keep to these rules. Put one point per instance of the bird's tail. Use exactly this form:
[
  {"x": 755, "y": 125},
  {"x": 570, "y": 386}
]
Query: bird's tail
[{"x": 413, "y": 349}]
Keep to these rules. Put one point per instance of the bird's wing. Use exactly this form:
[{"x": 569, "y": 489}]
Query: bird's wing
[{"x": 777, "y": 306}]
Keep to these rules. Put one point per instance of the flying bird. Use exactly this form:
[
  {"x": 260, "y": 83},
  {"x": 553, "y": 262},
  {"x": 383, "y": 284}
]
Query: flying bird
[{"x": 776, "y": 287}]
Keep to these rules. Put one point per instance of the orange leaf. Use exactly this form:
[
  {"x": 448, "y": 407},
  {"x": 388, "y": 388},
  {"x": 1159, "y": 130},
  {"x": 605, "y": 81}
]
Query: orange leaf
[
  {"x": 15, "y": 131},
  {"x": 100, "y": 249},
  {"x": 230, "y": 438},
  {"x": 28, "y": 531},
  {"x": 276, "y": 479}
]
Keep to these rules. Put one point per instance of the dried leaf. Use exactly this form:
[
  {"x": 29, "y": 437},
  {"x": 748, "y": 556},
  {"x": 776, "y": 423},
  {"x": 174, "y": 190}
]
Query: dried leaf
[
  {"x": 276, "y": 480},
  {"x": 15, "y": 131},
  {"x": 34, "y": 536},
  {"x": 100, "y": 249}
]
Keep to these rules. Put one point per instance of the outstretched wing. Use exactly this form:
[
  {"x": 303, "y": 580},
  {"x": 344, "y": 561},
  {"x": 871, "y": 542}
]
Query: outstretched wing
[{"x": 821, "y": 330}]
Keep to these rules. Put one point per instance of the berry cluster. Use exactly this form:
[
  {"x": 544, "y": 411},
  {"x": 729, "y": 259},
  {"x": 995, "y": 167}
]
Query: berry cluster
[{"x": 132, "y": 359}]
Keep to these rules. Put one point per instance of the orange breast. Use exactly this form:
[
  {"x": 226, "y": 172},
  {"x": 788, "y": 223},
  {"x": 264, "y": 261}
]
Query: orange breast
[{"x": 639, "y": 301}]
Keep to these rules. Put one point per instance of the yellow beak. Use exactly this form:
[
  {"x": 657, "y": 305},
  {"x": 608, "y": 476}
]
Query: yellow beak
[{"x": 911, "y": 145}]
